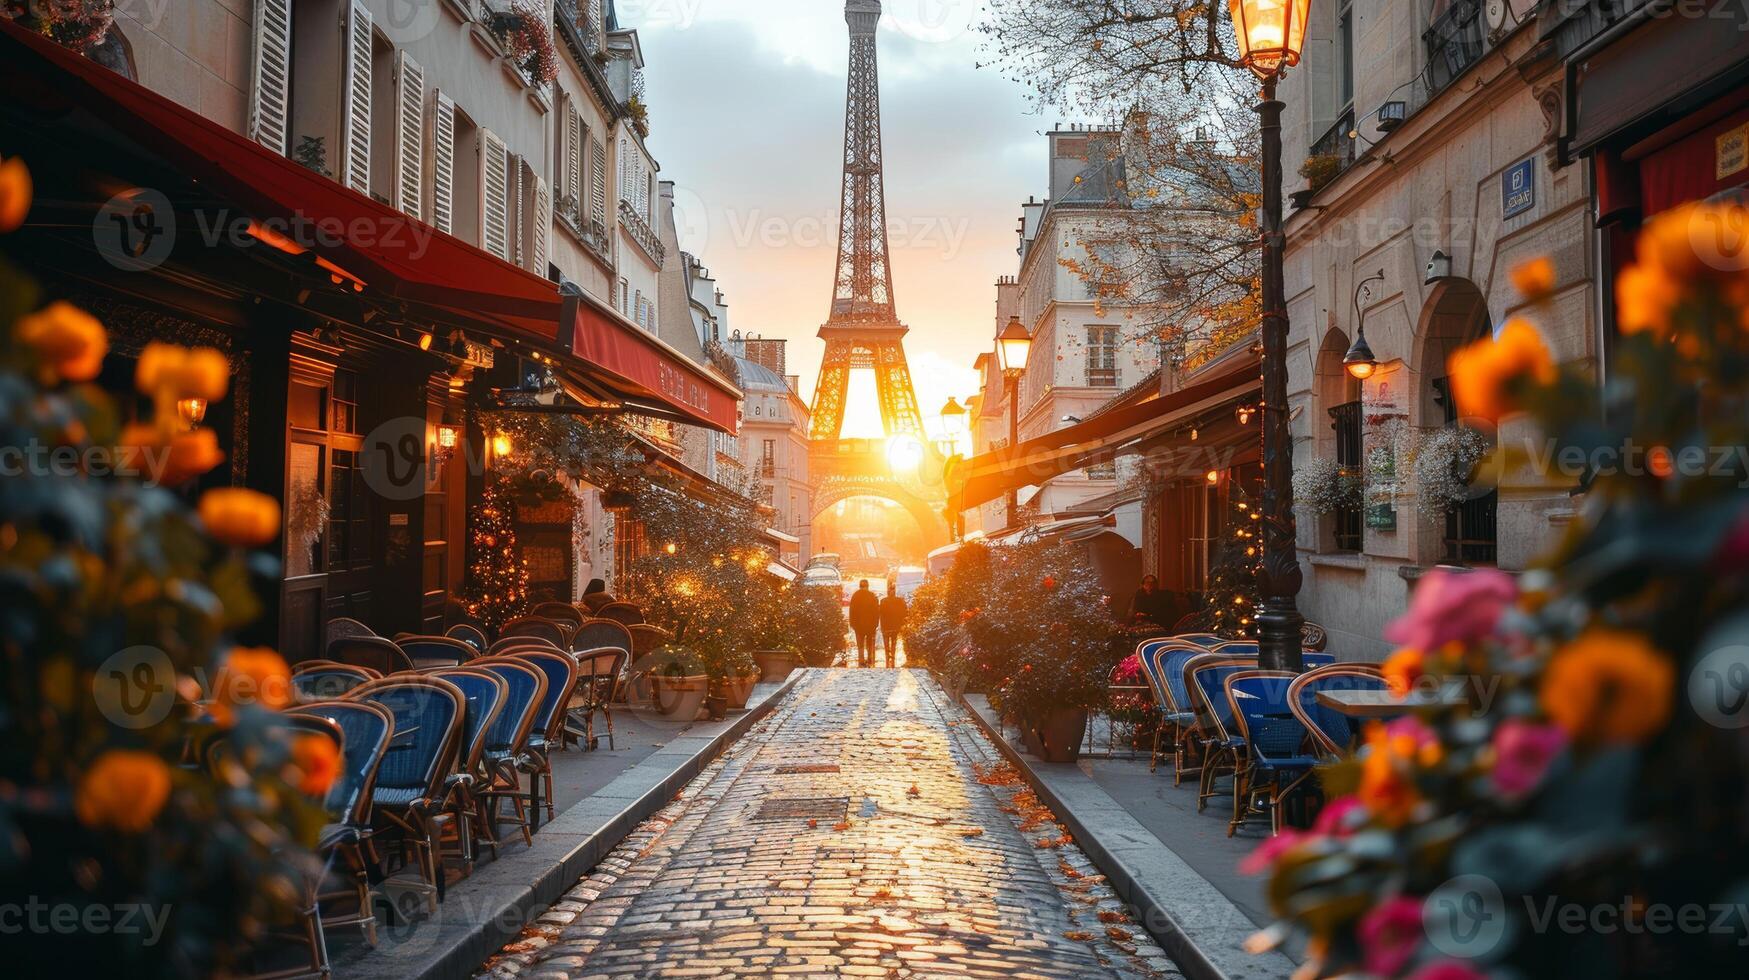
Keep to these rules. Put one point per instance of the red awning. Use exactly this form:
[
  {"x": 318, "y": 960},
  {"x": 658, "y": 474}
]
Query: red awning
[
  {"x": 396, "y": 256},
  {"x": 1100, "y": 438}
]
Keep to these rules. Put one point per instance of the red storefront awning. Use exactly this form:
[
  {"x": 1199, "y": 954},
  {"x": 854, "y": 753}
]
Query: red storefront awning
[
  {"x": 1103, "y": 437},
  {"x": 395, "y": 256}
]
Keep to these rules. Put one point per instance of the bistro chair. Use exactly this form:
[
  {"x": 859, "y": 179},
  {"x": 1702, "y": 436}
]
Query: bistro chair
[
  {"x": 1205, "y": 678},
  {"x": 410, "y": 790},
  {"x": 435, "y": 651},
  {"x": 507, "y": 743},
  {"x": 471, "y": 635},
  {"x": 598, "y": 679},
  {"x": 535, "y": 626},
  {"x": 1274, "y": 745},
  {"x": 560, "y": 612},
  {"x": 1333, "y": 731},
  {"x": 1174, "y": 718},
  {"x": 621, "y": 611},
  {"x": 1234, "y": 647},
  {"x": 365, "y": 729},
  {"x": 548, "y": 731},
  {"x": 1204, "y": 640},
  {"x": 341, "y": 627},
  {"x": 510, "y": 644},
  {"x": 325, "y": 680},
  {"x": 374, "y": 652},
  {"x": 595, "y": 601},
  {"x": 485, "y": 694},
  {"x": 596, "y": 634},
  {"x": 1313, "y": 637},
  {"x": 1168, "y": 667}
]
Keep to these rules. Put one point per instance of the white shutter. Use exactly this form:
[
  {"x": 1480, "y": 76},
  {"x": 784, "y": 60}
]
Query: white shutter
[
  {"x": 270, "y": 74},
  {"x": 355, "y": 126},
  {"x": 410, "y": 135},
  {"x": 443, "y": 163},
  {"x": 540, "y": 223},
  {"x": 573, "y": 175},
  {"x": 518, "y": 210},
  {"x": 494, "y": 195},
  {"x": 598, "y": 181}
]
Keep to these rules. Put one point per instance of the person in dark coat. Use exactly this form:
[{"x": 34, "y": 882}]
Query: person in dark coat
[
  {"x": 892, "y": 623},
  {"x": 865, "y": 618},
  {"x": 1153, "y": 604}
]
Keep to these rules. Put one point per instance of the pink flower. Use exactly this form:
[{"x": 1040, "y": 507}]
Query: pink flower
[
  {"x": 1270, "y": 851},
  {"x": 1448, "y": 970},
  {"x": 1338, "y": 816},
  {"x": 1389, "y": 934},
  {"x": 1522, "y": 753},
  {"x": 1453, "y": 606},
  {"x": 1129, "y": 671}
]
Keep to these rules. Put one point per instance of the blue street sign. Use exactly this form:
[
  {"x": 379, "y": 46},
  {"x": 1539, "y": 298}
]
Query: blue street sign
[{"x": 1518, "y": 188}]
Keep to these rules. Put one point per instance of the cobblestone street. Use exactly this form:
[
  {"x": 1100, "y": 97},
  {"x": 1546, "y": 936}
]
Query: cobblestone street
[{"x": 865, "y": 829}]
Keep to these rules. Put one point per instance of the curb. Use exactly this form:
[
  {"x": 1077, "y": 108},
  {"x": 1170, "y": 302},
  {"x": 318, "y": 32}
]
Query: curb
[
  {"x": 506, "y": 895},
  {"x": 1165, "y": 897}
]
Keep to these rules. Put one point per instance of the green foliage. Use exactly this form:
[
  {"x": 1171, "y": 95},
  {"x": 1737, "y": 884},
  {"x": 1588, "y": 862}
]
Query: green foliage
[
  {"x": 1232, "y": 600},
  {"x": 809, "y": 621},
  {"x": 497, "y": 586}
]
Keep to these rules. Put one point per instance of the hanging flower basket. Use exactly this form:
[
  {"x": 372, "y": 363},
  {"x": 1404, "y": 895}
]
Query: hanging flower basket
[
  {"x": 1322, "y": 486},
  {"x": 1444, "y": 465}
]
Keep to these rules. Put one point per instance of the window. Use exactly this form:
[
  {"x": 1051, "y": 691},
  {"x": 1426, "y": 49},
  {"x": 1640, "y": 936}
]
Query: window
[
  {"x": 768, "y": 458},
  {"x": 1454, "y": 41},
  {"x": 1345, "y": 52},
  {"x": 1102, "y": 357},
  {"x": 1348, "y": 520},
  {"x": 1472, "y": 528}
]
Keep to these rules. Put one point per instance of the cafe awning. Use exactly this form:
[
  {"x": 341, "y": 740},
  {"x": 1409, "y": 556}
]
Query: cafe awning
[
  {"x": 1102, "y": 437},
  {"x": 391, "y": 254}
]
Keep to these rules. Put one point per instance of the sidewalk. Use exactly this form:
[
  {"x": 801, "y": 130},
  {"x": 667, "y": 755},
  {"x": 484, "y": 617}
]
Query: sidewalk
[
  {"x": 1159, "y": 852},
  {"x": 600, "y": 797}
]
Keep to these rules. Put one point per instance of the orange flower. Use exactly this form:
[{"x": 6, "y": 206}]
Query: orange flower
[
  {"x": 250, "y": 675},
  {"x": 239, "y": 517},
  {"x": 317, "y": 760},
  {"x": 1609, "y": 685},
  {"x": 1402, "y": 669},
  {"x": 69, "y": 340},
  {"x": 171, "y": 372},
  {"x": 1534, "y": 279},
  {"x": 123, "y": 790},
  {"x": 14, "y": 193},
  {"x": 1385, "y": 788},
  {"x": 1483, "y": 373},
  {"x": 1644, "y": 299},
  {"x": 168, "y": 458}
]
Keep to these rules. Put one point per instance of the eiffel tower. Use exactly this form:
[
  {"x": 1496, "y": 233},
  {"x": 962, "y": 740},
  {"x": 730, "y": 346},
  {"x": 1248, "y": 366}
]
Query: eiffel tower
[{"x": 863, "y": 331}]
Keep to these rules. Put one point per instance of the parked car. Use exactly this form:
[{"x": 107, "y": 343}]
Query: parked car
[{"x": 907, "y": 579}]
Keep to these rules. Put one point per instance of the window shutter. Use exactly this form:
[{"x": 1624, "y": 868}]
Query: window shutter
[
  {"x": 540, "y": 223},
  {"x": 598, "y": 181},
  {"x": 355, "y": 127},
  {"x": 494, "y": 195},
  {"x": 573, "y": 176},
  {"x": 410, "y": 135},
  {"x": 518, "y": 231},
  {"x": 270, "y": 75},
  {"x": 443, "y": 163}
]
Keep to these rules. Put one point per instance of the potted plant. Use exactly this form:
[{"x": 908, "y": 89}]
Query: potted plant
[
  {"x": 733, "y": 675},
  {"x": 775, "y": 665},
  {"x": 1319, "y": 170},
  {"x": 1322, "y": 486},
  {"x": 679, "y": 684}
]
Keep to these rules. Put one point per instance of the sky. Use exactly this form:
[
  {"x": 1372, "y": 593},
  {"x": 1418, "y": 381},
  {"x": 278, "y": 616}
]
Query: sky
[{"x": 747, "y": 118}]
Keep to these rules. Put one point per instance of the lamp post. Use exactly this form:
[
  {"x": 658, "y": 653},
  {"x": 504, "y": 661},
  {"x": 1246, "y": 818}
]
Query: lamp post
[
  {"x": 1270, "y": 33},
  {"x": 1012, "y": 345},
  {"x": 953, "y": 424}
]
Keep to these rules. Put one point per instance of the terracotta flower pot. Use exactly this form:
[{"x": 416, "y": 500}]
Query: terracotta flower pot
[
  {"x": 738, "y": 689},
  {"x": 774, "y": 665},
  {"x": 1058, "y": 735},
  {"x": 680, "y": 698},
  {"x": 716, "y": 707}
]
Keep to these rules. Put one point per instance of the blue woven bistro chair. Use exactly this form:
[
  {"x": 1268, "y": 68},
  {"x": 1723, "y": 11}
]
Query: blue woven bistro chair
[
  {"x": 547, "y": 733},
  {"x": 410, "y": 787},
  {"x": 1204, "y": 640},
  {"x": 1173, "y": 718},
  {"x": 1276, "y": 760},
  {"x": 471, "y": 635},
  {"x": 596, "y": 634},
  {"x": 1333, "y": 731},
  {"x": 376, "y": 652},
  {"x": 510, "y": 644},
  {"x": 484, "y": 693},
  {"x": 537, "y": 626},
  {"x": 1205, "y": 677},
  {"x": 507, "y": 744},
  {"x": 435, "y": 651},
  {"x": 560, "y": 612},
  {"x": 1188, "y": 745},
  {"x": 325, "y": 680},
  {"x": 1234, "y": 647},
  {"x": 364, "y": 730}
]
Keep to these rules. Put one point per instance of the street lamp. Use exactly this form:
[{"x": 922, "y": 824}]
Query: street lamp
[
  {"x": 1270, "y": 33},
  {"x": 1013, "y": 345},
  {"x": 953, "y": 423},
  {"x": 1359, "y": 360}
]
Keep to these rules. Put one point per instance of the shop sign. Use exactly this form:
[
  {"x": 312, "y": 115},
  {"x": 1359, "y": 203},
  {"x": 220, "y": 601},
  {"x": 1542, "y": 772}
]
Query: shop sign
[
  {"x": 1518, "y": 188},
  {"x": 1731, "y": 152}
]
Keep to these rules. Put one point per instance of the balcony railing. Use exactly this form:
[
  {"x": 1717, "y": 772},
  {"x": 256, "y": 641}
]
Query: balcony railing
[
  {"x": 1454, "y": 43},
  {"x": 642, "y": 233},
  {"x": 1337, "y": 145}
]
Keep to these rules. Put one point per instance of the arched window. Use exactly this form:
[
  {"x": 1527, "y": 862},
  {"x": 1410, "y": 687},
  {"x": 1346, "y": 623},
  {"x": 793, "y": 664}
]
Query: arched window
[
  {"x": 1459, "y": 316},
  {"x": 1339, "y": 393}
]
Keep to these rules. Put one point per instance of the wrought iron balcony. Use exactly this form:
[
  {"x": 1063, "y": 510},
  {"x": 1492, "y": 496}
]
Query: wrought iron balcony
[
  {"x": 1454, "y": 43},
  {"x": 642, "y": 233}
]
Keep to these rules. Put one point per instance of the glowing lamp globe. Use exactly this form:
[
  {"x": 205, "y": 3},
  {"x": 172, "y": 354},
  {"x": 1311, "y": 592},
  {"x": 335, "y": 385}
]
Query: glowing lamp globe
[
  {"x": 1013, "y": 344},
  {"x": 904, "y": 452},
  {"x": 1270, "y": 33}
]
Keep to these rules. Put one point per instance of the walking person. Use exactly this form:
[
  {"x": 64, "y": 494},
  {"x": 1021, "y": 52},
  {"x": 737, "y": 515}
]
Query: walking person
[
  {"x": 892, "y": 623},
  {"x": 865, "y": 617}
]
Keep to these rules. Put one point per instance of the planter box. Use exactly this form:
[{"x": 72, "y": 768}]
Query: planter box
[
  {"x": 738, "y": 689},
  {"x": 680, "y": 698},
  {"x": 1057, "y": 736},
  {"x": 774, "y": 665}
]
